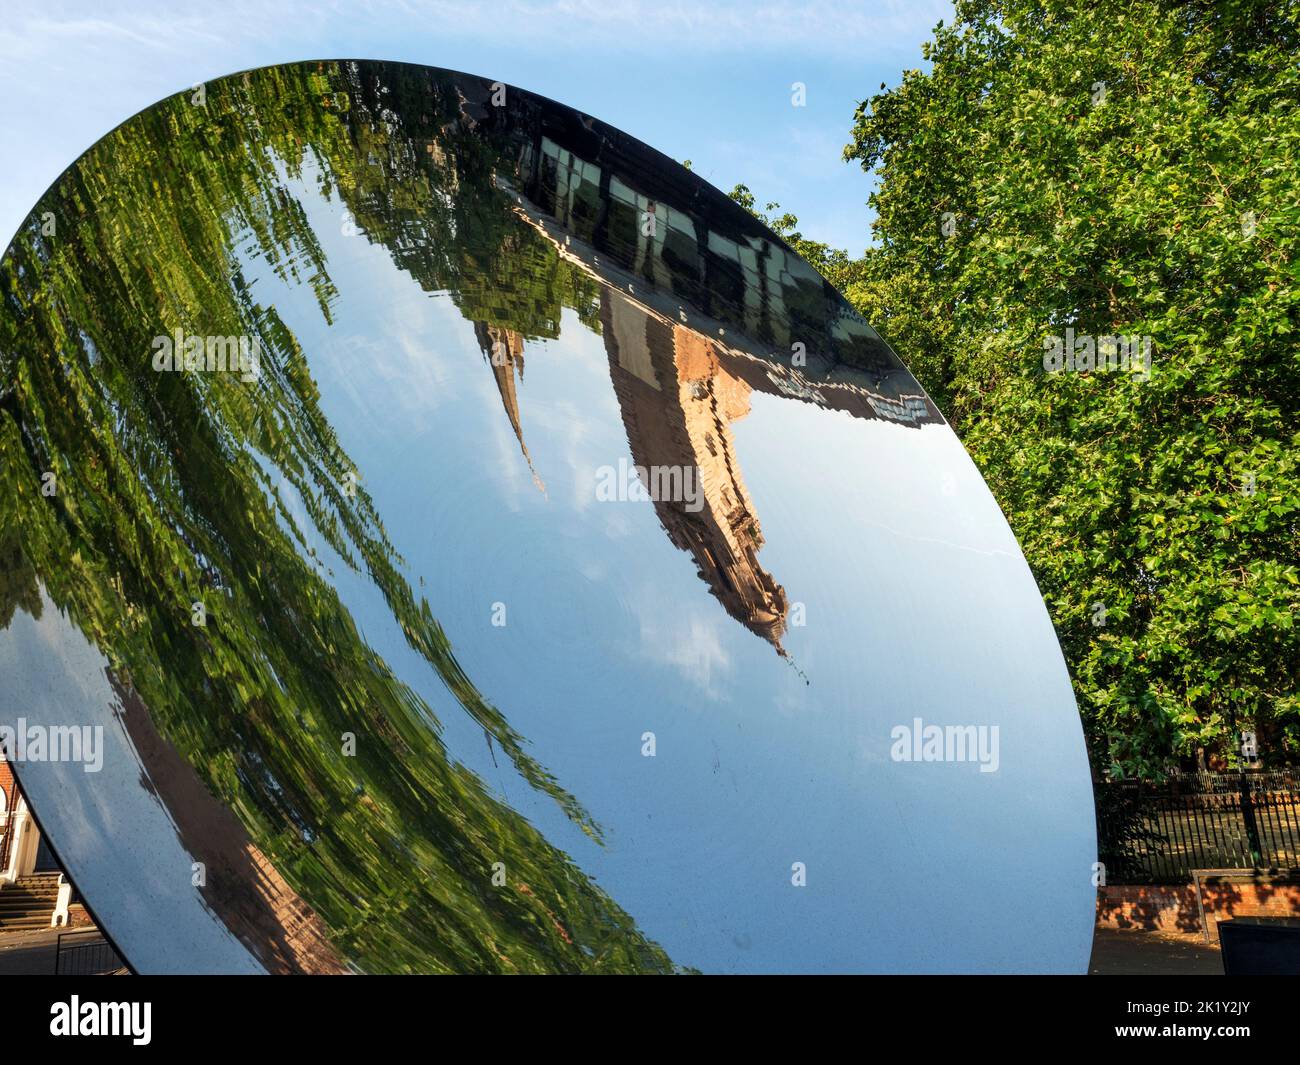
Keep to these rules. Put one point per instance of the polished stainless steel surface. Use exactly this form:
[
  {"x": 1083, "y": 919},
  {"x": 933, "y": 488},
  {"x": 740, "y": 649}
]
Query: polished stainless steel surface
[{"x": 535, "y": 566}]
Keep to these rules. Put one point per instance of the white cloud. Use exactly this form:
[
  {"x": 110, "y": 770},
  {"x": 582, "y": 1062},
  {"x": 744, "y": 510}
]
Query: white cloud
[
  {"x": 835, "y": 26},
  {"x": 832, "y": 26}
]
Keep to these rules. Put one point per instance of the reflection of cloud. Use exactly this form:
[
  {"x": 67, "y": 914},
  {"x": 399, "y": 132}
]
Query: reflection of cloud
[
  {"x": 394, "y": 377},
  {"x": 690, "y": 645},
  {"x": 795, "y": 701},
  {"x": 619, "y": 518},
  {"x": 566, "y": 426},
  {"x": 510, "y": 472}
]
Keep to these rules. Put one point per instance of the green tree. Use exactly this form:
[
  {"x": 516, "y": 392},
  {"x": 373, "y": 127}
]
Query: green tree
[{"x": 1116, "y": 168}]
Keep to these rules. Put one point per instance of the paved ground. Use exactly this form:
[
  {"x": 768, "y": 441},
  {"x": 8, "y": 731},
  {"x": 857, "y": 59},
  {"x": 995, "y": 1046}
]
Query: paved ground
[
  {"x": 32, "y": 953},
  {"x": 1152, "y": 954},
  {"x": 28, "y": 953},
  {"x": 1113, "y": 954}
]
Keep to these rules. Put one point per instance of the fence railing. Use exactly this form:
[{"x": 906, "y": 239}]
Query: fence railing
[
  {"x": 1159, "y": 833},
  {"x": 84, "y": 953}
]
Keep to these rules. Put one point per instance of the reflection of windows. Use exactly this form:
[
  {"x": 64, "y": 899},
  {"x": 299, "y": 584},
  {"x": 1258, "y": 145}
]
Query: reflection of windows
[
  {"x": 576, "y": 188},
  {"x": 726, "y": 289},
  {"x": 680, "y": 256},
  {"x": 903, "y": 409},
  {"x": 623, "y": 223},
  {"x": 654, "y": 240},
  {"x": 546, "y": 171},
  {"x": 744, "y": 280}
]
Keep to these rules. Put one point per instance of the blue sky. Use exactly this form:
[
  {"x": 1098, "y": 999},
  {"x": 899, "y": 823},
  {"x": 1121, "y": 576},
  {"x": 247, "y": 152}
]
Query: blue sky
[{"x": 710, "y": 83}]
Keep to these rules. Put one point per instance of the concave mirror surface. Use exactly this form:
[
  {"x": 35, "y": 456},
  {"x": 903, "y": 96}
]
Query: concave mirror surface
[{"x": 472, "y": 543}]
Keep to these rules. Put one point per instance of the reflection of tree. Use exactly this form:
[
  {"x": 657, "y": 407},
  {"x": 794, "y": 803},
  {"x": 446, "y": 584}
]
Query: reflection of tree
[
  {"x": 169, "y": 494},
  {"x": 415, "y": 192},
  {"x": 18, "y": 587},
  {"x": 415, "y": 187}
]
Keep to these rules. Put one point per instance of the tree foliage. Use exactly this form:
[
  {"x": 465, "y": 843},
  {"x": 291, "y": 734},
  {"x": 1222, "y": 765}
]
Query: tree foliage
[{"x": 1118, "y": 169}]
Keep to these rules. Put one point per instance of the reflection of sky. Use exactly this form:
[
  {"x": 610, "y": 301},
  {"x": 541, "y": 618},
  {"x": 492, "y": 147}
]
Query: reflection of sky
[{"x": 917, "y": 602}]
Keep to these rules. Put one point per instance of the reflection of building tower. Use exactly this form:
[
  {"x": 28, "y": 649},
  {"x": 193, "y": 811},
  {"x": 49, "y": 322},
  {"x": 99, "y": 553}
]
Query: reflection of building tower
[
  {"x": 677, "y": 404},
  {"x": 504, "y": 350}
]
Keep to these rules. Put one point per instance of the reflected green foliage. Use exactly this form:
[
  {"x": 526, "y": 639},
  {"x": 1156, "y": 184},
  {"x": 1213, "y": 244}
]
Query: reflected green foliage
[
  {"x": 169, "y": 493},
  {"x": 19, "y": 589}
]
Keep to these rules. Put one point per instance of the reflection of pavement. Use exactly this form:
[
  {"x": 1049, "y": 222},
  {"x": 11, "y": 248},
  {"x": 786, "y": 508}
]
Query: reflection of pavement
[{"x": 1152, "y": 954}]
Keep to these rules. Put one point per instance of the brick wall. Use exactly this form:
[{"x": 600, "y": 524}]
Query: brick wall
[
  {"x": 1149, "y": 907},
  {"x": 9, "y": 787}
]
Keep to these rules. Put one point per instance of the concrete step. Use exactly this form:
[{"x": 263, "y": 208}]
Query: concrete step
[
  {"x": 41, "y": 915},
  {"x": 29, "y": 902}
]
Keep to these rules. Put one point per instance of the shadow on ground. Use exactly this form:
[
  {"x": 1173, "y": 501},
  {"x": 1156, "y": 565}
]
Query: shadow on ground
[{"x": 1152, "y": 954}]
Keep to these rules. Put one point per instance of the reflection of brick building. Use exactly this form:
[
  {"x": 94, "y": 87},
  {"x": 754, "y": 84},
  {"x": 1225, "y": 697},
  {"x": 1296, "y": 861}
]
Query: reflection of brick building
[
  {"x": 504, "y": 350},
  {"x": 677, "y": 402},
  {"x": 678, "y": 388},
  {"x": 33, "y": 894},
  {"x": 729, "y": 272}
]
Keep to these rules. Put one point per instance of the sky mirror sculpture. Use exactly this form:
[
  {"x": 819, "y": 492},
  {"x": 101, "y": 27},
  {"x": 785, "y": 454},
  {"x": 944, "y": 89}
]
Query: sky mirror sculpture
[{"x": 472, "y": 543}]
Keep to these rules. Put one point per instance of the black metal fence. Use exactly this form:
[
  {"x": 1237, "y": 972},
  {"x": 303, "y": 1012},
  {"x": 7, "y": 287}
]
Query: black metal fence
[
  {"x": 1158, "y": 833},
  {"x": 85, "y": 953}
]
